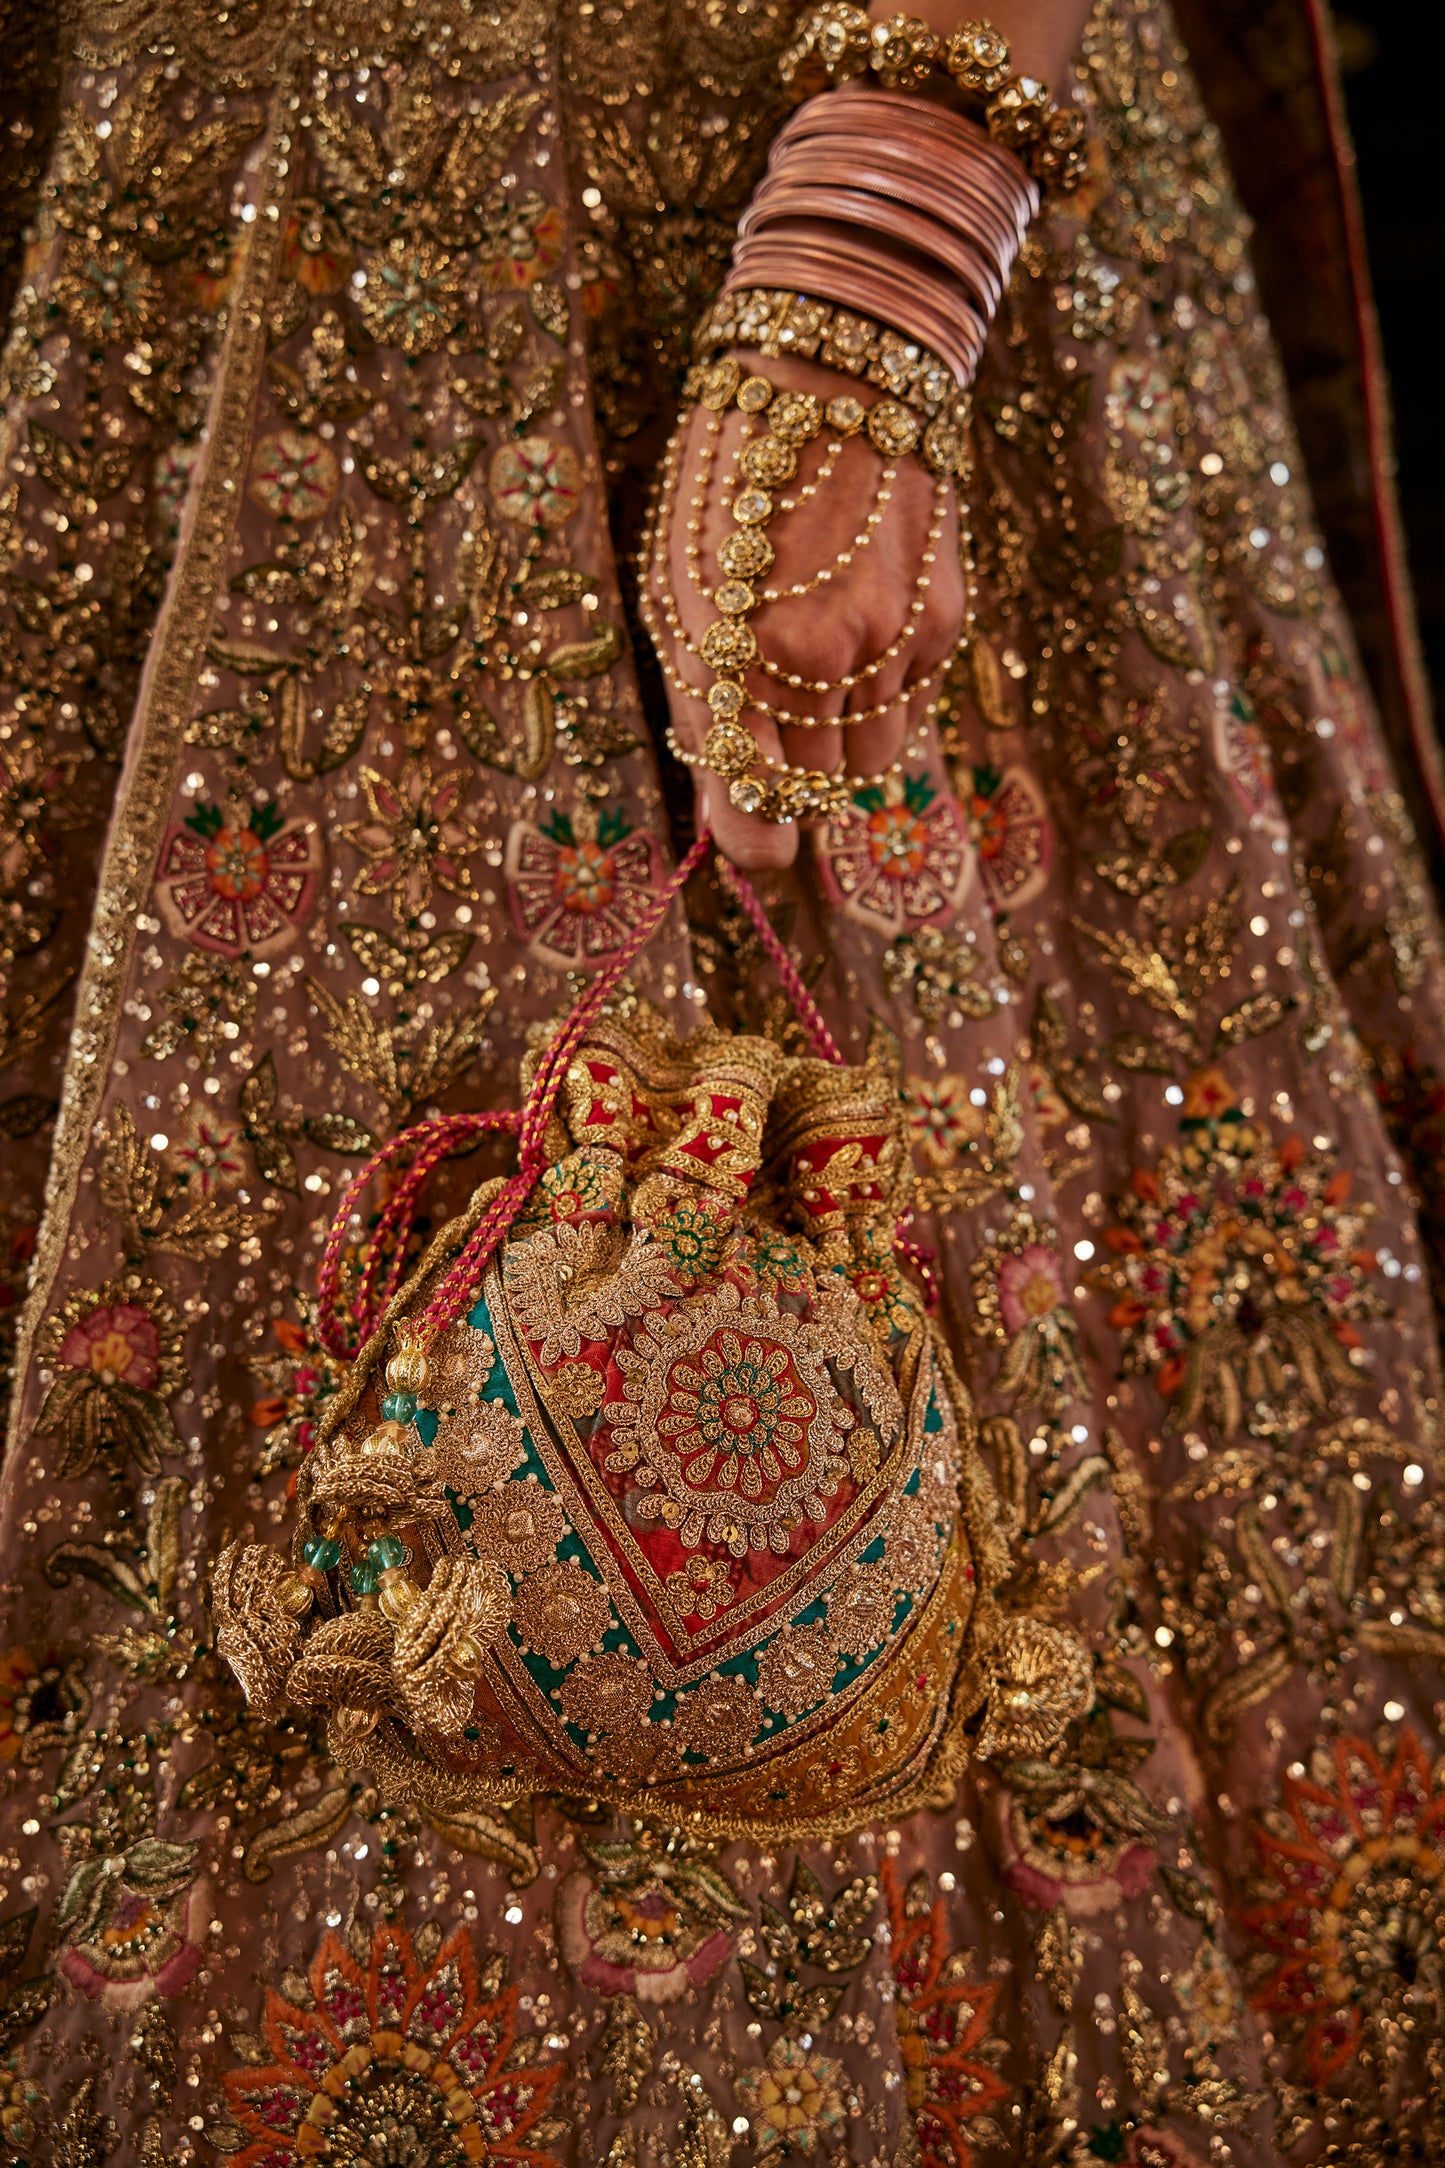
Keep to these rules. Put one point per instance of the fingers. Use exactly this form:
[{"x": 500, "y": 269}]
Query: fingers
[{"x": 854, "y": 599}]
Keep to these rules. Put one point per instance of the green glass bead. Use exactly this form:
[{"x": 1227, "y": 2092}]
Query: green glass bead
[
  {"x": 385, "y": 1551},
  {"x": 364, "y": 1578},
  {"x": 398, "y": 1407},
  {"x": 322, "y": 1553}
]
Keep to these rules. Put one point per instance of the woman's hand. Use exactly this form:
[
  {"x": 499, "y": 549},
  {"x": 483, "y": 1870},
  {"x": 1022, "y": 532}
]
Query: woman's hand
[{"x": 873, "y": 544}]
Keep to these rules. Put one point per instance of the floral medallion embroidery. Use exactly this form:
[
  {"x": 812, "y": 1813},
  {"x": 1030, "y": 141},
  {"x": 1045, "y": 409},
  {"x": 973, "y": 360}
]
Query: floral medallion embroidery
[
  {"x": 535, "y": 482},
  {"x": 561, "y": 1610},
  {"x": 416, "y": 835},
  {"x": 942, "y": 1118},
  {"x": 207, "y": 1154},
  {"x": 1022, "y": 1304},
  {"x": 730, "y": 1410},
  {"x": 580, "y": 885},
  {"x": 1352, "y": 1906},
  {"x": 795, "y": 2098},
  {"x": 412, "y": 297},
  {"x": 695, "y": 1229},
  {"x": 293, "y": 475},
  {"x": 899, "y": 857},
  {"x": 117, "y": 1357},
  {"x": 648, "y": 1916},
  {"x": 942, "y": 2014},
  {"x": 1239, "y": 1271},
  {"x": 238, "y": 881},
  {"x": 1011, "y": 835},
  {"x": 394, "y": 2051}
]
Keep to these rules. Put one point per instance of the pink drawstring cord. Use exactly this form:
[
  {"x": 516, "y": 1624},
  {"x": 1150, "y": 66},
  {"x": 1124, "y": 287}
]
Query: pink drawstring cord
[{"x": 431, "y": 1142}]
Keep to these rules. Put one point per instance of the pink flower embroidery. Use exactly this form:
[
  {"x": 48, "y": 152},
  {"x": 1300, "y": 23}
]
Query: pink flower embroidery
[
  {"x": 117, "y": 1343},
  {"x": 1030, "y": 1286},
  {"x": 1055, "y": 1857},
  {"x": 135, "y": 1922}
]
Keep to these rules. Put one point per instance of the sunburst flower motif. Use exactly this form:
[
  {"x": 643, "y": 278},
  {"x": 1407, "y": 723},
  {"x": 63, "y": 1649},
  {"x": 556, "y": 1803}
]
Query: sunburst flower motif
[
  {"x": 900, "y": 857},
  {"x": 949, "y": 2052},
  {"x": 1351, "y": 1905},
  {"x": 1239, "y": 1271},
  {"x": 395, "y": 2058},
  {"x": 106, "y": 290},
  {"x": 416, "y": 836}
]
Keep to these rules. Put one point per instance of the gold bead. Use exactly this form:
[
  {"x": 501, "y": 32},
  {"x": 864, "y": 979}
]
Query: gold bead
[
  {"x": 398, "y": 1593},
  {"x": 464, "y": 1656},
  {"x": 387, "y": 1438},
  {"x": 408, "y": 1369},
  {"x": 293, "y": 1595}
]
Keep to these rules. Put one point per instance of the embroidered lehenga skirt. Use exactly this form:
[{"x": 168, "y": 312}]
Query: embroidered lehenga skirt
[{"x": 343, "y": 343}]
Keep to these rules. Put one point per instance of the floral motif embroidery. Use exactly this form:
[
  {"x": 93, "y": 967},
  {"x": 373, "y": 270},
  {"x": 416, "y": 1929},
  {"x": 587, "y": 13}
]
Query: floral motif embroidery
[
  {"x": 702, "y": 1587},
  {"x": 293, "y": 475},
  {"x": 648, "y": 1916},
  {"x": 412, "y": 296},
  {"x": 942, "y": 2014},
  {"x": 567, "y": 1284},
  {"x": 1011, "y": 835},
  {"x": 695, "y": 1231},
  {"x": 132, "y": 1921},
  {"x": 396, "y": 2044},
  {"x": 314, "y": 251},
  {"x": 238, "y": 882},
  {"x": 416, "y": 835},
  {"x": 1243, "y": 755},
  {"x": 524, "y": 243},
  {"x": 1352, "y": 1908},
  {"x": 942, "y": 1117},
  {"x": 580, "y": 885},
  {"x": 899, "y": 857},
  {"x": 1022, "y": 1304},
  {"x": 1239, "y": 1271},
  {"x": 301, "y": 1380},
  {"x": 795, "y": 2098},
  {"x": 117, "y": 1355},
  {"x": 535, "y": 482},
  {"x": 561, "y": 1610},
  {"x": 735, "y": 1417},
  {"x": 207, "y": 1153},
  {"x": 1055, "y": 1849}
]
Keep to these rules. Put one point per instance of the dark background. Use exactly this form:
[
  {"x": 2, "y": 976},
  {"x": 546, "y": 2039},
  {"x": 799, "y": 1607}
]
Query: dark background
[{"x": 1391, "y": 57}]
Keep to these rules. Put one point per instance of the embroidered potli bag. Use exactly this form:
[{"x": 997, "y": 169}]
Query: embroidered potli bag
[{"x": 654, "y": 1483}]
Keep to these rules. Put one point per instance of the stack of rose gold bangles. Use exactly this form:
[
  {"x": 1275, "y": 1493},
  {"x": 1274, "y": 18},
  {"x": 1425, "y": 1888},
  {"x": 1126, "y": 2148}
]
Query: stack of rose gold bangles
[{"x": 880, "y": 240}]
